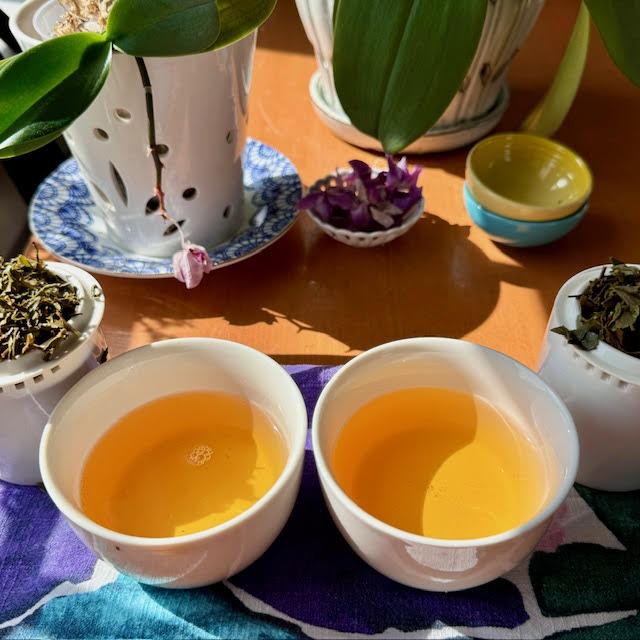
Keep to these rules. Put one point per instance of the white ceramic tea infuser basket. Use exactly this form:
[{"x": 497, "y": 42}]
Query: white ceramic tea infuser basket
[
  {"x": 30, "y": 387},
  {"x": 601, "y": 388},
  {"x": 200, "y": 104}
]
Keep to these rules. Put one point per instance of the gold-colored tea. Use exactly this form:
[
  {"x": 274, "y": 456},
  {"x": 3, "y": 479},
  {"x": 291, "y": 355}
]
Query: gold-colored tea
[
  {"x": 439, "y": 463},
  {"x": 180, "y": 464}
]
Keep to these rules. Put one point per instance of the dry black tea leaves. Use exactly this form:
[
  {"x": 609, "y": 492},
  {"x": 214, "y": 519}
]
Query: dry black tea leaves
[
  {"x": 609, "y": 311},
  {"x": 35, "y": 307}
]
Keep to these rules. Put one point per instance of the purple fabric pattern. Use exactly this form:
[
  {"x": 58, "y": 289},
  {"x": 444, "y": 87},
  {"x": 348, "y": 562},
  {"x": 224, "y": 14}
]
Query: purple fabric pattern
[
  {"x": 38, "y": 549},
  {"x": 311, "y": 574}
]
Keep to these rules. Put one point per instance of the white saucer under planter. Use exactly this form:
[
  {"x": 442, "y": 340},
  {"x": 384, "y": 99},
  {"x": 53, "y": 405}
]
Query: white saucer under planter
[
  {"x": 439, "y": 138},
  {"x": 200, "y": 104},
  {"x": 31, "y": 387}
]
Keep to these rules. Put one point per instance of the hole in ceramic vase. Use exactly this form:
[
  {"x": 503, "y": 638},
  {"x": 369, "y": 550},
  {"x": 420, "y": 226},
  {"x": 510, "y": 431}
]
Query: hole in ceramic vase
[
  {"x": 55, "y": 369},
  {"x": 622, "y": 385},
  {"x": 122, "y": 114},
  {"x": 190, "y": 193},
  {"x": 162, "y": 149},
  {"x": 229, "y": 137},
  {"x": 171, "y": 229},
  {"x": 101, "y": 134},
  {"x": 604, "y": 376},
  {"x": 1, "y": 390},
  {"x": 152, "y": 205},
  {"x": 227, "y": 211},
  {"x": 19, "y": 385},
  {"x": 38, "y": 378},
  {"x": 102, "y": 195},
  {"x": 119, "y": 183}
]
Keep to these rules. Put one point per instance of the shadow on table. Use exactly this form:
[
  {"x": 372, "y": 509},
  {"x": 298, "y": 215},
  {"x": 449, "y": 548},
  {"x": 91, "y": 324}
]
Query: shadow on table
[{"x": 432, "y": 281}]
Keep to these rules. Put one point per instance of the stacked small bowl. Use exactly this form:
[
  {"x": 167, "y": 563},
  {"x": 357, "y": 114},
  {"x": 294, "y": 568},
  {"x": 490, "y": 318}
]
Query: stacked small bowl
[{"x": 525, "y": 190}]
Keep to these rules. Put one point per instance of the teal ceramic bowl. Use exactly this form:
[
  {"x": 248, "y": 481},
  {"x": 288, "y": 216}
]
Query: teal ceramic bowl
[{"x": 519, "y": 233}]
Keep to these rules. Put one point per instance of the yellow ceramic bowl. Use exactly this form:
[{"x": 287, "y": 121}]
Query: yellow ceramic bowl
[{"x": 527, "y": 177}]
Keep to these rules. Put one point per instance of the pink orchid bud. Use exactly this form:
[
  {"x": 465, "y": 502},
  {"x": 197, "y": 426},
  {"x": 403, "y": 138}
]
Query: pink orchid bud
[{"x": 190, "y": 264}]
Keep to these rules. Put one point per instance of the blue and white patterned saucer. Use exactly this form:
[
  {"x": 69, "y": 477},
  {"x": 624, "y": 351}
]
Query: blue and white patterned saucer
[{"x": 66, "y": 221}]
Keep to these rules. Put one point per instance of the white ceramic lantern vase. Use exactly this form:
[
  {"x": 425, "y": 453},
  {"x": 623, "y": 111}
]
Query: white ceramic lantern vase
[{"x": 200, "y": 112}]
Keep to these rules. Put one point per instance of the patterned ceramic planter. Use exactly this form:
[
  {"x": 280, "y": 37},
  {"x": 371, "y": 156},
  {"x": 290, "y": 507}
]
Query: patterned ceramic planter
[
  {"x": 200, "y": 104},
  {"x": 475, "y": 109}
]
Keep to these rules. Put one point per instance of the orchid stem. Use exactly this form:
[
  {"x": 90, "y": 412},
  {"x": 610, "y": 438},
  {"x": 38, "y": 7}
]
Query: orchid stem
[{"x": 153, "y": 146}]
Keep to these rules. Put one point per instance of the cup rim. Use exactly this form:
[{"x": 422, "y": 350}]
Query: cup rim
[
  {"x": 78, "y": 518},
  {"x": 513, "y": 204},
  {"x": 371, "y": 521}
]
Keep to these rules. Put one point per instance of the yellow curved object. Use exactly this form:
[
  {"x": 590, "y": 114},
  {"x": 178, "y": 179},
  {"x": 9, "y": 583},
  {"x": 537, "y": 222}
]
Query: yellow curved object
[
  {"x": 527, "y": 177},
  {"x": 547, "y": 116}
]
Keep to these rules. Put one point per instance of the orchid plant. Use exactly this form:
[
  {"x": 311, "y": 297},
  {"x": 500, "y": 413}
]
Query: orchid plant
[
  {"x": 397, "y": 68},
  {"x": 44, "y": 89}
]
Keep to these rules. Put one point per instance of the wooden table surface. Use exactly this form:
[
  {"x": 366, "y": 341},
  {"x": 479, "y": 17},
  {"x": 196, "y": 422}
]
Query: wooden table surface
[{"x": 309, "y": 299}]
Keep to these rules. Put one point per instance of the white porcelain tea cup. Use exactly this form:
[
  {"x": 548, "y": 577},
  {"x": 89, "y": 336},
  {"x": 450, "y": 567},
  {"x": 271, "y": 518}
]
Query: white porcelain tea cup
[
  {"x": 510, "y": 387},
  {"x": 601, "y": 388},
  {"x": 93, "y": 405}
]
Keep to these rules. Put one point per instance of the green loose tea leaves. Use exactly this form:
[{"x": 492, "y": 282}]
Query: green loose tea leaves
[
  {"x": 35, "y": 307},
  {"x": 609, "y": 311}
]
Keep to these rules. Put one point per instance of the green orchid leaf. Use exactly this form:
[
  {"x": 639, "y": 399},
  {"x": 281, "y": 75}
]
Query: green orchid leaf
[
  {"x": 237, "y": 19},
  {"x": 618, "y": 22},
  {"x": 46, "y": 88},
  {"x": 163, "y": 27},
  {"x": 547, "y": 116},
  {"x": 397, "y": 68},
  {"x": 334, "y": 13}
]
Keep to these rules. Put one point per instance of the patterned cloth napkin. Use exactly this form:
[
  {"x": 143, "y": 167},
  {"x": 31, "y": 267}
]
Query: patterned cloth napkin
[{"x": 583, "y": 581}]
